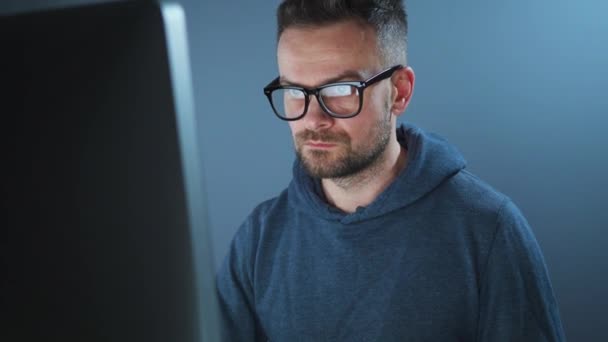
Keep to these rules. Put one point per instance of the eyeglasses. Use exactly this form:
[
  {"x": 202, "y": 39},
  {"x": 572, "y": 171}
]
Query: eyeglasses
[{"x": 341, "y": 100}]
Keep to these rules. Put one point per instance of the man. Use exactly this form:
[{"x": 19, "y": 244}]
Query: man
[{"x": 382, "y": 235}]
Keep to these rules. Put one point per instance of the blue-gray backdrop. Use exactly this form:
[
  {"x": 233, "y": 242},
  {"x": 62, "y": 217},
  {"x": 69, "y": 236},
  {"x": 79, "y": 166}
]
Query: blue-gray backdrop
[{"x": 520, "y": 86}]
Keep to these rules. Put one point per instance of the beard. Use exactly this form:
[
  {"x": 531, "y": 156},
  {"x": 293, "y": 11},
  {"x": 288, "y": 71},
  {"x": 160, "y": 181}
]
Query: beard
[{"x": 343, "y": 160}]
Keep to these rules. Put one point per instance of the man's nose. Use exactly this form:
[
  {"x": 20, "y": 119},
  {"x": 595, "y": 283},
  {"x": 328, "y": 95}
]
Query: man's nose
[{"x": 316, "y": 118}]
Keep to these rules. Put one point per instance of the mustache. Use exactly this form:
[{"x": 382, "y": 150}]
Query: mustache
[{"x": 324, "y": 136}]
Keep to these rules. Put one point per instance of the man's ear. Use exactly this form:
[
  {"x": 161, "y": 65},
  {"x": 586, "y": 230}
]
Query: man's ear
[{"x": 403, "y": 88}]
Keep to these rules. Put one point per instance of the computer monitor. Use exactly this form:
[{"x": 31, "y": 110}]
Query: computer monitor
[{"x": 104, "y": 233}]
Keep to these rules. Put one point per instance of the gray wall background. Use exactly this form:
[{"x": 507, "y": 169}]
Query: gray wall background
[{"x": 519, "y": 86}]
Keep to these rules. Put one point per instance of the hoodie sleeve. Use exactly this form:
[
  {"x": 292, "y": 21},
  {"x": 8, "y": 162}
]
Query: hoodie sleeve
[
  {"x": 235, "y": 289},
  {"x": 517, "y": 302}
]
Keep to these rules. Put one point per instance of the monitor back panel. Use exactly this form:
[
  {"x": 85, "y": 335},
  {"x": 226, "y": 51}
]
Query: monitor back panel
[{"x": 95, "y": 240}]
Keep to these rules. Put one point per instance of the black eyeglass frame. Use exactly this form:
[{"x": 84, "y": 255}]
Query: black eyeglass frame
[{"x": 360, "y": 85}]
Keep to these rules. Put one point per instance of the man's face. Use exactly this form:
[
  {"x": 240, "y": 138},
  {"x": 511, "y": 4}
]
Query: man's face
[{"x": 346, "y": 51}]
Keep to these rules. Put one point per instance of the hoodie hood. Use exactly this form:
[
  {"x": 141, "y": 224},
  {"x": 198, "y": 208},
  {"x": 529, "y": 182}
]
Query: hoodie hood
[{"x": 430, "y": 161}]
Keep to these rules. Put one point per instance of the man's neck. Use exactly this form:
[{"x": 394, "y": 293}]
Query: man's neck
[{"x": 361, "y": 189}]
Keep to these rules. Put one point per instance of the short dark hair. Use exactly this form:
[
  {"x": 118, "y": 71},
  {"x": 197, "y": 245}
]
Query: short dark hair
[{"x": 387, "y": 17}]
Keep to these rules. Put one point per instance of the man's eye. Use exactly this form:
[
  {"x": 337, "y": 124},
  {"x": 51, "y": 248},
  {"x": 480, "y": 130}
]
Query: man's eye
[
  {"x": 295, "y": 93},
  {"x": 338, "y": 90}
]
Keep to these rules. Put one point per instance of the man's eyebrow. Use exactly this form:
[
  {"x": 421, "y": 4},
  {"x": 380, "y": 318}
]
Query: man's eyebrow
[{"x": 350, "y": 75}]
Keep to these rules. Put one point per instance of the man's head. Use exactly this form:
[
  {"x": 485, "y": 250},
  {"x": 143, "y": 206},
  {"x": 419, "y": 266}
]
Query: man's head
[{"x": 321, "y": 42}]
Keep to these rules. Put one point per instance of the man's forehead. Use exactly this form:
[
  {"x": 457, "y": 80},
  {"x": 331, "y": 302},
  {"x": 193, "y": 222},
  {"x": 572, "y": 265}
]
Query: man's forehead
[
  {"x": 344, "y": 35},
  {"x": 317, "y": 55},
  {"x": 311, "y": 74},
  {"x": 344, "y": 75}
]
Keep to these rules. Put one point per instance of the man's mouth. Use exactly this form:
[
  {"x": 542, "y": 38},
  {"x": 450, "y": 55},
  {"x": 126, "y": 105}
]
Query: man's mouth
[{"x": 320, "y": 144}]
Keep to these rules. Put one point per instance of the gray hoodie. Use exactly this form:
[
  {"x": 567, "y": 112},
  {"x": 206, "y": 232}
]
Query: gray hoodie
[{"x": 438, "y": 256}]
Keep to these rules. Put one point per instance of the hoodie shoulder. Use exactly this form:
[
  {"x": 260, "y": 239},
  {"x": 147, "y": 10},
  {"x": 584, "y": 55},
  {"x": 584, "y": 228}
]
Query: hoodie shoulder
[
  {"x": 473, "y": 206},
  {"x": 470, "y": 191}
]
